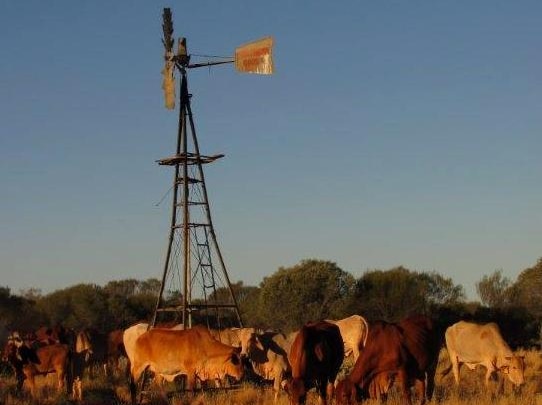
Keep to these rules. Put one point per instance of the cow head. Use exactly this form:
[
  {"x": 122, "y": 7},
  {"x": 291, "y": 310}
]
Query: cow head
[
  {"x": 234, "y": 365},
  {"x": 17, "y": 353},
  {"x": 249, "y": 342},
  {"x": 345, "y": 392},
  {"x": 514, "y": 369},
  {"x": 296, "y": 390},
  {"x": 11, "y": 349}
]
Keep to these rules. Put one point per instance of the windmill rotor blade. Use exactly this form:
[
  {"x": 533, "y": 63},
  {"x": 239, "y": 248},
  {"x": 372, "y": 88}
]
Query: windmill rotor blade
[{"x": 167, "y": 28}]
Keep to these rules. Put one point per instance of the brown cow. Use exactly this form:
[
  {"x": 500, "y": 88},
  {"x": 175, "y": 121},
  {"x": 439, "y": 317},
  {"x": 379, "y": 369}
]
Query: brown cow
[
  {"x": 316, "y": 356},
  {"x": 406, "y": 352},
  {"x": 192, "y": 352},
  {"x": 28, "y": 362}
]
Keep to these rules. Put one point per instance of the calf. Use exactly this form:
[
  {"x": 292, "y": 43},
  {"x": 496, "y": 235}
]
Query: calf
[{"x": 28, "y": 363}]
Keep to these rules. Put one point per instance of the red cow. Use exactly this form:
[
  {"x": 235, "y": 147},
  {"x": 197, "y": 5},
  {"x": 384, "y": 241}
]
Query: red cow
[{"x": 406, "y": 352}]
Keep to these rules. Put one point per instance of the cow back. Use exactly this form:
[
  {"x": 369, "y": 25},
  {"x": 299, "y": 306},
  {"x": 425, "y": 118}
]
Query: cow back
[{"x": 53, "y": 358}]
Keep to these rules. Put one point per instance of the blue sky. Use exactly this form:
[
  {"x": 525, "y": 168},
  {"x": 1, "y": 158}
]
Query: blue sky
[{"x": 393, "y": 133}]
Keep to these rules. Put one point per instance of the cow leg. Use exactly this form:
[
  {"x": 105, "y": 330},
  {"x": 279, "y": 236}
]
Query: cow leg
[
  {"x": 500, "y": 386},
  {"x": 77, "y": 389},
  {"x": 133, "y": 390},
  {"x": 419, "y": 386},
  {"x": 61, "y": 376},
  {"x": 20, "y": 379},
  {"x": 329, "y": 390},
  {"x": 277, "y": 379},
  {"x": 322, "y": 389},
  {"x": 190, "y": 382},
  {"x": 455, "y": 367},
  {"x": 137, "y": 377},
  {"x": 404, "y": 386},
  {"x": 32, "y": 386},
  {"x": 430, "y": 380}
]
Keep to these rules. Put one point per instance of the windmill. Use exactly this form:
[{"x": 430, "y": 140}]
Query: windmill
[{"x": 195, "y": 287}]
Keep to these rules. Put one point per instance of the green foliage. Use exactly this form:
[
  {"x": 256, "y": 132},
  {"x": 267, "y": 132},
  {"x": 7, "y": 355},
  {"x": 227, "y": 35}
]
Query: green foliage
[
  {"x": 527, "y": 290},
  {"x": 393, "y": 294},
  {"x": 11, "y": 308},
  {"x": 309, "y": 291},
  {"x": 494, "y": 290},
  {"x": 77, "y": 307}
]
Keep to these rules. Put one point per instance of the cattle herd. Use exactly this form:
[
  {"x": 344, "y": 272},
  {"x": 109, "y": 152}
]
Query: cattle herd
[{"x": 403, "y": 354}]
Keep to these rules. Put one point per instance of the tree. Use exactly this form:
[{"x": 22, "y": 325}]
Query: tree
[
  {"x": 494, "y": 290},
  {"x": 393, "y": 294},
  {"x": 11, "y": 309},
  {"x": 309, "y": 291},
  {"x": 527, "y": 290},
  {"x": 77, "y": 307}
]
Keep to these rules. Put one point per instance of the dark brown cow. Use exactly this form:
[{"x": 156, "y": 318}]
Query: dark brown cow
[
  {"x": 91, "y": 349},
  {"x": 406, "y": 352},
  {"x": 28, "y": 363},
  {"x": 423, "y": 341},
  {"x": 315, "y": 357}
]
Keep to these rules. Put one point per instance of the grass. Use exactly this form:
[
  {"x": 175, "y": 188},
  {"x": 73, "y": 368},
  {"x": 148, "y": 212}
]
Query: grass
[{"x": 114, "y": 391}]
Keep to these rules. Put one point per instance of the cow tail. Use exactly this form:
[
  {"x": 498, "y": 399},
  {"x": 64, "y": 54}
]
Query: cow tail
[
  {"x": 366, "y": 331},
  {"x": 70, "y": 372},
  {"x": 133, "y": 390}
]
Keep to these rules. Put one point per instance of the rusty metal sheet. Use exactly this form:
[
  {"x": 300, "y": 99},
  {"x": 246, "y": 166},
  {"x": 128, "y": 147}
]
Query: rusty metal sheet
[{"x": 255, "y": 57}]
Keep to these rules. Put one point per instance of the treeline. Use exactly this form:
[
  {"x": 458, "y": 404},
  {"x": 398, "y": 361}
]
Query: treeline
[{"x": 310, "y": 290}]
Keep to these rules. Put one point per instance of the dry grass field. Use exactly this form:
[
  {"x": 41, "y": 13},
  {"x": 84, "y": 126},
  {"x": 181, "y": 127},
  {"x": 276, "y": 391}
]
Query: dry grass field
[{"x": 115, "y": 391}]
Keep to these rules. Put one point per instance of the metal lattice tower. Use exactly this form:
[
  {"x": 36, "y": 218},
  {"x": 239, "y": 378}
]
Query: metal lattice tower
[{"x": 195, "y": 282}]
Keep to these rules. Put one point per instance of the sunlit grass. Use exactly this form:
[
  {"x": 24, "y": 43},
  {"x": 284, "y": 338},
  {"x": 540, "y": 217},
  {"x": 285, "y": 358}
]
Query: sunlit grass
[{"x": 114, "y": 391}]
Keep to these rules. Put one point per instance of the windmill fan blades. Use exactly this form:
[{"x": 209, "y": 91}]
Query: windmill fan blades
[
  {"x": 167, "y": 28},
  {"x": 168, "y": 84}
]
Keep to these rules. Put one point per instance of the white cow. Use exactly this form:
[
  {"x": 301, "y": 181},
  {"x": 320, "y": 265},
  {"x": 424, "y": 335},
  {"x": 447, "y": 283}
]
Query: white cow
[
  {"x": 268, "y": 354},
  {"x": 474, "y": 344},
  {"x": 354, "y": 331}
]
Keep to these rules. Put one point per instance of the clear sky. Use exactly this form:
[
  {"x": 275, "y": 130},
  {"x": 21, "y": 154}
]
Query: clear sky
[{"x": 393, "y": 133}]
